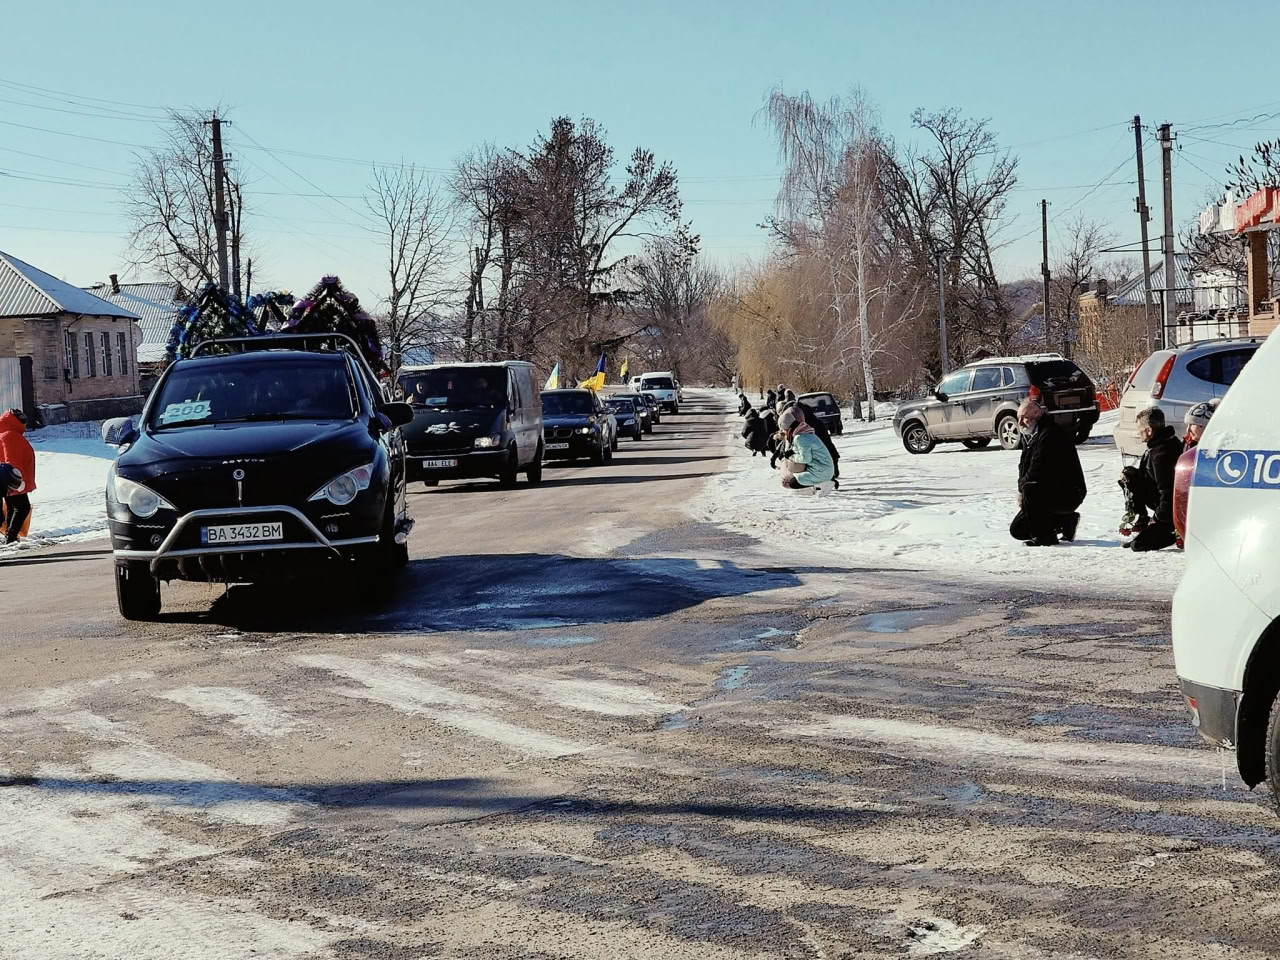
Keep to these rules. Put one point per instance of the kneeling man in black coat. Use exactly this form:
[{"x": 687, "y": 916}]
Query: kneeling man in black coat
[{"x": 1050, "y": 481}]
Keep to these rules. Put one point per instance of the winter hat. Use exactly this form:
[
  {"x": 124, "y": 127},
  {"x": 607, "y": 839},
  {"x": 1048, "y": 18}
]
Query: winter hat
[
  {"x": 1201, "y": 413},
  {"x": 789, "y": 418}
]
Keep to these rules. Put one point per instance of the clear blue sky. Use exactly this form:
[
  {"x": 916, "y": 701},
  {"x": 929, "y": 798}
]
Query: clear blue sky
[{"x": 423, "y": 81}]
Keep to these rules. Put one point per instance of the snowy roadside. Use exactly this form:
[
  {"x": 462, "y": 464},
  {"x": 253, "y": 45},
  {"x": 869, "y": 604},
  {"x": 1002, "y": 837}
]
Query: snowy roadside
[
  {"x": 71, "y": 475},
  {"x": 945, "y": 512}
]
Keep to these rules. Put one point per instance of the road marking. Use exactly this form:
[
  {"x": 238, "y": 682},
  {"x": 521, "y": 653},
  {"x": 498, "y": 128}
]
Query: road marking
[
  {"x": 600, "y": 696},
  {"x": 248, "y": 711},
  {"x": 1069, "y": 759},
  {"x": 391, "y": 686}
]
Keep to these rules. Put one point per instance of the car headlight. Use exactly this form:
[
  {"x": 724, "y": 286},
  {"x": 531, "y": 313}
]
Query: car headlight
[
  {"x": 343, "y": 489},
  {"x": 143, "y": 502},
  {"x": 485, "y": 443},
  {"x": 585, "y": 429}
]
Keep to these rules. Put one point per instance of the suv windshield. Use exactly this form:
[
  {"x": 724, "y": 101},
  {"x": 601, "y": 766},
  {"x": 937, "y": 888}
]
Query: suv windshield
[
  {"x": 457, "y": 388},
  {"x": 284, "y": 389},
  {"x": 657, "y": 383},
  {"x": 1042, "y": 371},
  {"x": 565, "y": 404}
]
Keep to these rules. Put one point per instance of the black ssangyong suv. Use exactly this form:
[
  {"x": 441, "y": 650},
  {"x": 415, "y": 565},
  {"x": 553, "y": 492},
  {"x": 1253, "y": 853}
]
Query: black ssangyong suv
[
  {"x": 980, "y": 401},
  {"x": 257, "y": 462}
]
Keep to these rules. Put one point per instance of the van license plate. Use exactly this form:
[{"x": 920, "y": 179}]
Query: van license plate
[
  {"x": 1069, "y": 401},
  {"x": 439, "y": 464},
  {"x": 242, "y": 533},
  {"x": 557, "y": 446}
]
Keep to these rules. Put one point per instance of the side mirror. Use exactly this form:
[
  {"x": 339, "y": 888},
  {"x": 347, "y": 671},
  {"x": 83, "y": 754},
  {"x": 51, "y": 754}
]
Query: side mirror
[
  {"x": 398, "y": 413},
  {"x": 119, "y": 432},
  {"x": 940, "y": 395}
]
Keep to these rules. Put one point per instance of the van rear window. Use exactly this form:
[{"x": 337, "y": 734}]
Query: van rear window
[
  {"x": 1146, "y": 375},
  {"x": 657, "y": 383}
]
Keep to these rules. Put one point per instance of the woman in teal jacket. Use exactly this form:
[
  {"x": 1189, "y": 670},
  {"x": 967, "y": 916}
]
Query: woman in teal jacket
[{"x": 810, "y": 463}]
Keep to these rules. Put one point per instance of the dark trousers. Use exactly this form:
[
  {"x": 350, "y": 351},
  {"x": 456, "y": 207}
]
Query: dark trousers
[
  {"x": 16, "y": 510},
  {"x": 1039, "y": 524},
  {"x": 1141, "y": 495}
]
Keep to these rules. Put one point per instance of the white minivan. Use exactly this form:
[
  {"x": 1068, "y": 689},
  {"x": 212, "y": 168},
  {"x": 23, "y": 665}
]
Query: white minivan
[
  {"x": 662, "y": 387},
  {"x": 1226, "y": 643}
]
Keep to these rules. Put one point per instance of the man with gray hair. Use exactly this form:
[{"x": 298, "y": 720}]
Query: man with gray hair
[
  {"x": 1050, "y": 481},
  {"x": 1149, "y": 485}
]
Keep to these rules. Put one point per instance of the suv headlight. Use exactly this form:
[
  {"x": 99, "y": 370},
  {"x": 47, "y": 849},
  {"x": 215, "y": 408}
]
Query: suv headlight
[
  {"x": 343, "y": 489},
  {"x": 487, "y": 442},
  {"x": 143, "y": 502}
]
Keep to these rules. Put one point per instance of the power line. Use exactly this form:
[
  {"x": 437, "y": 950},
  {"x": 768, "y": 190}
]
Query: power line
[
  {"x": 69, "y": 163},
  {"x": 81, "y": 113},
  {"x": 312, "y": 184},
  {"x": 78, "y": 136},
  {"x": 119, "y": 103}
]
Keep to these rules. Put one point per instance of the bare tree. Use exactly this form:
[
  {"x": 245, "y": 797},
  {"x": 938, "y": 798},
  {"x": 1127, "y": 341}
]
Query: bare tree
[
  {"x": 1083, "y": 241},
  {"x": 830, "y": 207},
  {"x": 170, "y": 204},
  {"x": 415, "y": 225},
  {"x": 674, "y": 290}
]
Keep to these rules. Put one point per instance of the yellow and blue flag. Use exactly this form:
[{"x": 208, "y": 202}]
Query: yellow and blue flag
[
  {"x": 622, "y": 374},
  {"x": 595, "y": 381},
  {"x": 553, "y": 381}
]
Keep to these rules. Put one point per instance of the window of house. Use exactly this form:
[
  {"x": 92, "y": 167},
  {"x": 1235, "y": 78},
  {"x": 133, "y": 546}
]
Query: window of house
[
  {"x": 122, "y": 345},
  {"x": 73, "y": 356},
  {"x": 49, "y": 351},
  {"x": 90, "y": 358},
  {"x": 106, "y": 354}
]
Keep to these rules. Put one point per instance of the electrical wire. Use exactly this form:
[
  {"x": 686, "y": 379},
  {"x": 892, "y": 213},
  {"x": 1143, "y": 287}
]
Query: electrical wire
[
  {"x": 78, "y": 96},
  {"x": 314, "y": 185}
]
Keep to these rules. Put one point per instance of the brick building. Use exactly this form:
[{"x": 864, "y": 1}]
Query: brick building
[{"x": 83, "y": 349}]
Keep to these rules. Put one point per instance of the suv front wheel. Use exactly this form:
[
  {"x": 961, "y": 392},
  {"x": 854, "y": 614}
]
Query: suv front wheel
[
  {"x": 137, "y": 592},
  {"x": 1008, "y": 433},
  {"x": 916, "y": 438}
]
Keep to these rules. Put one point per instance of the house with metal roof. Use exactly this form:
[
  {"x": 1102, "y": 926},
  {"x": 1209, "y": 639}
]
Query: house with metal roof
[
  {"x": 81, "y": 349},
  {"x": 156, "y": 305}
]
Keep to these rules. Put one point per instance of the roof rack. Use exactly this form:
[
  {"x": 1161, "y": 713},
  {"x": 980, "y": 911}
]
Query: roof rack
[
  {"x": 288, "y": 341},
  {"x": 1020, "y": 358}
]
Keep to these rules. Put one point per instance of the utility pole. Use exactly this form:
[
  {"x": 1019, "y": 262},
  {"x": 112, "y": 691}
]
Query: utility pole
[
  {"x": 1170, "y": 271},
  {"x": 1144, "y": 215},
  {"x": 219, "y": 202},
  {"x": 1044, "y": 268},
  {"x": 942, "y": 313}
]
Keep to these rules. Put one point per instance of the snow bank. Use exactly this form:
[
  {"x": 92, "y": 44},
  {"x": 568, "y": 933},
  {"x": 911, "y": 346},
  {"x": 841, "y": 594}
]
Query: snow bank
[
  {"x": 71, "y": 475},
  {"x": 944, "y": 512}
]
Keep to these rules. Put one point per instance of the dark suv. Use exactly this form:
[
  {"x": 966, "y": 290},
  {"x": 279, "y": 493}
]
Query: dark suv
[
  {"x": 268, "y": 458},
  {"x": 980, "y": 401}
]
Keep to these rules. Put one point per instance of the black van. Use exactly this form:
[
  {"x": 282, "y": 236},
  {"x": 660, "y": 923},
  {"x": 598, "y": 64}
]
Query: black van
[{"x": 473, "y": 420}]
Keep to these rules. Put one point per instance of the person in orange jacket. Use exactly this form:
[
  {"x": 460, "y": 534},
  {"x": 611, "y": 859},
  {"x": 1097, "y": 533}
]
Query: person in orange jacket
[{"x": 16, "y": 450}]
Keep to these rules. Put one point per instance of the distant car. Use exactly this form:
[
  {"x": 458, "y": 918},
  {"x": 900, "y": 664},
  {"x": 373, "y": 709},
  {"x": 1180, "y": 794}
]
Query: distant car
[
  {"x": 827, "y": 409},
  {"x": 473, "y": 420},
  {"x": 630, "y": 421},
  {"x": 1175, "y": 380},
  {"x": 980, "y": 401},
  {"x": 641, "y": 404},
  {"x": 576, "y": 424},
  {"x": 662, "y": 386},
  {"x": 266, "y": 456},
  {"x": 655, "y": 409}
]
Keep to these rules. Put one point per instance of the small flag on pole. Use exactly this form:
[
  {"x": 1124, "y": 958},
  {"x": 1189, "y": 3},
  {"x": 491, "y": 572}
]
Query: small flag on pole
[
  {"x": 596, "y": 381},
  {"x": 553, "y": 381},
  {"x": 622, "y": 374}
]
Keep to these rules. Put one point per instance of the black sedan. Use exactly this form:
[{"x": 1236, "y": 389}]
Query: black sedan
[
  {"x": 254, "y": 463},
  {"x": 575, "y": 424},
  {"x": 630, "y": 419}
]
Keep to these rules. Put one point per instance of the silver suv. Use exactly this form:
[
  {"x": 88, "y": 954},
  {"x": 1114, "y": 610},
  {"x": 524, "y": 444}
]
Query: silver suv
[
  {"x": 979, "y": 402},
  {"x": 1177, "y": 379}
]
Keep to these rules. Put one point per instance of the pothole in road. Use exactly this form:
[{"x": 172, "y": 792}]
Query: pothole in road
[{"x": 903, "y": 621}]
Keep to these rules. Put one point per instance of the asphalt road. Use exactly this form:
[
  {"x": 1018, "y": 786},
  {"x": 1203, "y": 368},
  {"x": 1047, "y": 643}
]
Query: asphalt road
[{"x": 587, "y": 727}]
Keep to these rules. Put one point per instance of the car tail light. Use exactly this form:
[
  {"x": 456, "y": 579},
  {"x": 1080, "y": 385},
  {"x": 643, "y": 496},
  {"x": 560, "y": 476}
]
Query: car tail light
[
  {"x": 1157, "y": 388},
  {"x": 1034, "y": 393},
  {"x": 1183, "y": 471}
]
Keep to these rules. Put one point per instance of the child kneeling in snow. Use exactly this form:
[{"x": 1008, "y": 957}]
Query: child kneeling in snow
[{"x": 810, "y": 468}]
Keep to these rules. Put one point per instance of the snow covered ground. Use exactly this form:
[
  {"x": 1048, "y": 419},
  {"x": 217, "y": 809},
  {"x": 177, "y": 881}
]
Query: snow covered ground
[
  {"x": 947, "y": 511},
  {"x": 71, "y": 474}
]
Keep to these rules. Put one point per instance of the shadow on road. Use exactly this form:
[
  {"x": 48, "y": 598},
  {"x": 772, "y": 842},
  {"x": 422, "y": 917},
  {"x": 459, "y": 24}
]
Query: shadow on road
[
  {"x": 492, "y": 592},
  {"x": 69, "y": 556}
]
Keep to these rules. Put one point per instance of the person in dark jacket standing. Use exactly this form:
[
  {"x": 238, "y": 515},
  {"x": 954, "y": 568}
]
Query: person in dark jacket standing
[
  {"x": 770, "y": 400},
  {"x": 756, "y": 433},
  {"x": 1149, "y": 485},
  {"x": 743, "y": 404},
  {"x": 1050, "y": 481}
]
